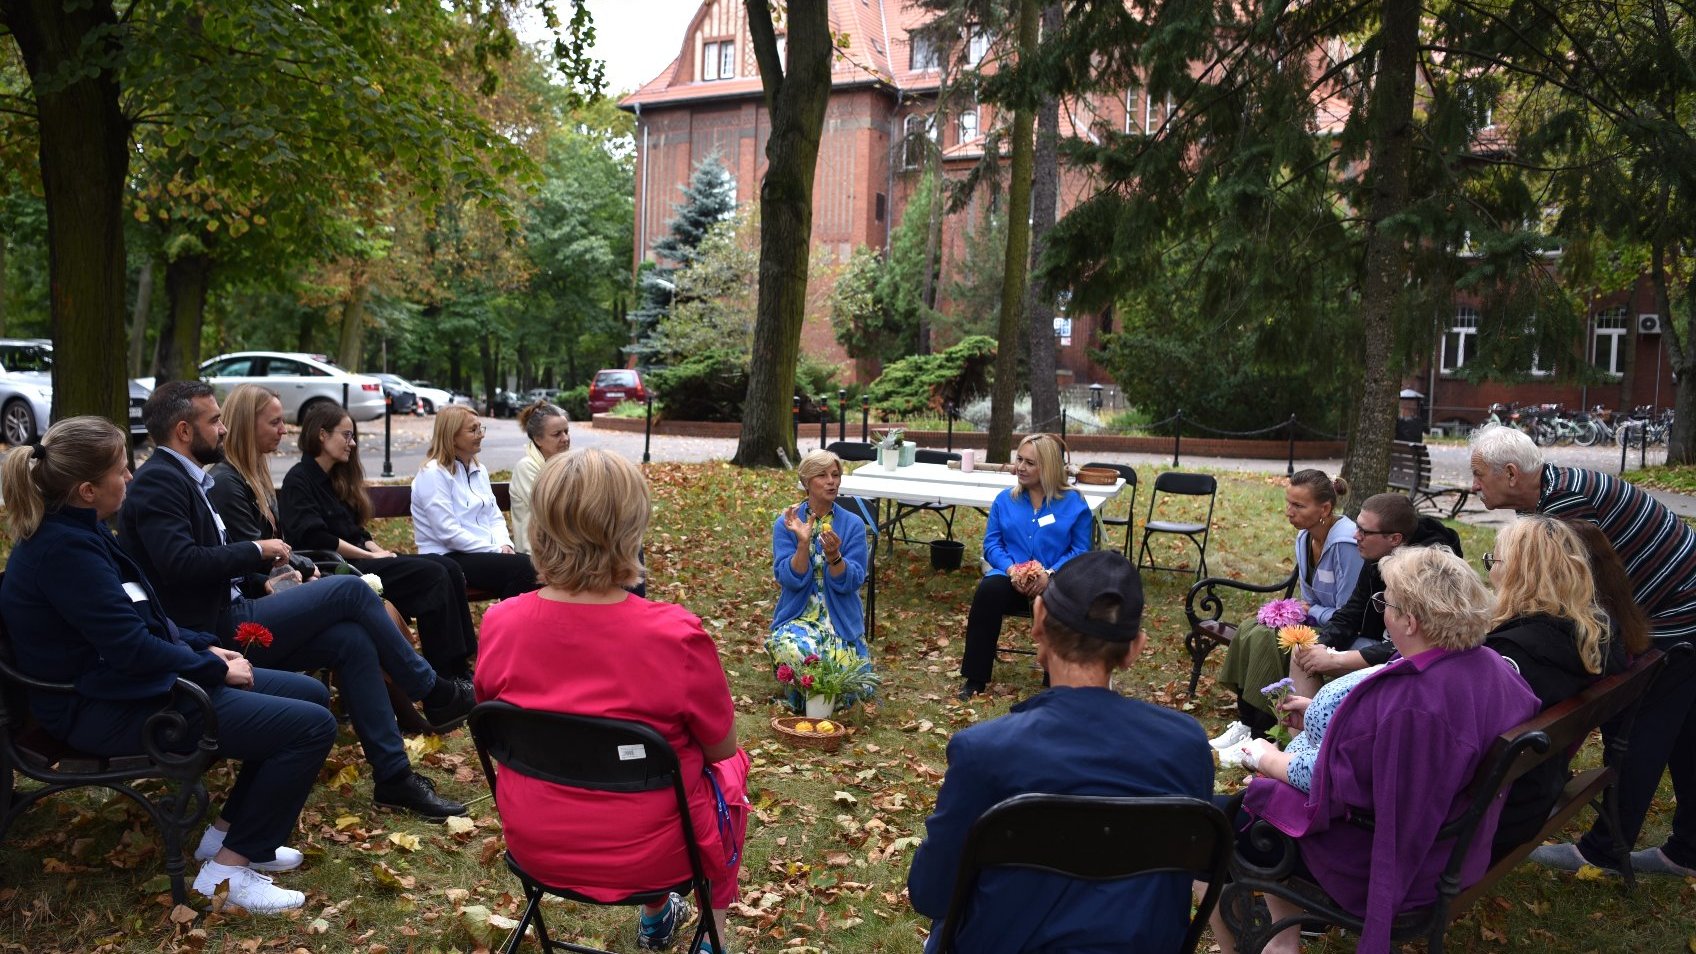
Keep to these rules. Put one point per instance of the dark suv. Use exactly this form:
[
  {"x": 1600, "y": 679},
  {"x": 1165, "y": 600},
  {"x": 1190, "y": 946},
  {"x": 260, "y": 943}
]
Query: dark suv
[{"x": 613, "y": 385}]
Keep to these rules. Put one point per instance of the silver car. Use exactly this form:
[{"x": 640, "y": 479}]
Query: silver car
[
  {"x": 301, "y": 380},
  {"x": 26, "y": 391}
]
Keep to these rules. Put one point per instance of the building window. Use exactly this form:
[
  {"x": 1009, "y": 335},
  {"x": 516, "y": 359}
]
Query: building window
[
  {"x": 969, "y": 125},
  {"x": 1144, "y": 115},
  {"x": 1460, "y": 342},
  {"x": 914, "y": 131},
  {"x": 925, "y": 54},
  {"x": 1063, "y": 331},
  {"x": 718, "y": 60},
  {"x": 1608, "y": 343},
  {"x": 977, "y": 46}
]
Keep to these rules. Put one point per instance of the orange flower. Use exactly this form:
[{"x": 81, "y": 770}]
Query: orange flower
[{"x": 1292, "y": 636}]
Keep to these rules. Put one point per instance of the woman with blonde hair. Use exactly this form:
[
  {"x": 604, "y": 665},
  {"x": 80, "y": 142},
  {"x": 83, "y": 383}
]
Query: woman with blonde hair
[
  {"x": 327, "y": 507},
  {"x": 1034, "y": 527},
  {"x": 585, "y": 645},
  {"x": 242, "y": 491},
  {"x": 547, "y": 432},
  {"x": 1548, "y": 622},
  {"x": 454, "y": 511},
  {"x": 81, "y": 611}
]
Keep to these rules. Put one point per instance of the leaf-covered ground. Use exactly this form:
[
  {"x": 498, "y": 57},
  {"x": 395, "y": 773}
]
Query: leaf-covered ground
[{"x": 827, "y": 856}]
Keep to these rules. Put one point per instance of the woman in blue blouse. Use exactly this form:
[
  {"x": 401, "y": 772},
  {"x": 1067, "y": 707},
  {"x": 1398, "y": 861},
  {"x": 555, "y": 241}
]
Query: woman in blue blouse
[
  {"x": 1040, "y": 518},
  {"x": 80, "y": 611}
]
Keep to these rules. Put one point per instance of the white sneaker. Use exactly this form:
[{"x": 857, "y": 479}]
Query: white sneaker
[
  {"x": 249, "y": 890},
  {"x": 287, "y": 859},
  {"x": 1235, "y": 734}
]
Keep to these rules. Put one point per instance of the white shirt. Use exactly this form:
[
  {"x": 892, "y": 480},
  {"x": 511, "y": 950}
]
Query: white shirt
[{"x": 456, "y": 511}]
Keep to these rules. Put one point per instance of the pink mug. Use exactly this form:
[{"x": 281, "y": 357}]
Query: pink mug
[{"x": 968, "y": 460}]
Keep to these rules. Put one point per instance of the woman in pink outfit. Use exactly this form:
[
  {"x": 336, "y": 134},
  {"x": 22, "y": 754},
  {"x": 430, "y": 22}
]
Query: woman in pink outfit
[{"x": 583, "y": 644}]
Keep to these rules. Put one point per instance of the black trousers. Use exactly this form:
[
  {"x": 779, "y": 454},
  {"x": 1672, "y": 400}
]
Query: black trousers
[
  {"x": 505, "y": 574},
  {"x": 431, "y": 590},
  {"x": 994, "y": 600}
]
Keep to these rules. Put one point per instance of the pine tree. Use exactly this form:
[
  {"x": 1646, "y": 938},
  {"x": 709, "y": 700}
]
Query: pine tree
[{"x": 709, "y": 198}]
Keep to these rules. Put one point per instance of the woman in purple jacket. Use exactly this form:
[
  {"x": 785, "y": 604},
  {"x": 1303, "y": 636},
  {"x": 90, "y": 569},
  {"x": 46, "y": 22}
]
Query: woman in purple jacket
[{"x": 1401, "y": 747}]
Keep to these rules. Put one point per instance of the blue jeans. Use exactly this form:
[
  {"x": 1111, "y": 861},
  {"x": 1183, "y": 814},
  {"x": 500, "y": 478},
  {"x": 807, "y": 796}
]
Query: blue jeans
[
  {"x": 339, "y": 624},
  {"x": 280, "y": 730}
]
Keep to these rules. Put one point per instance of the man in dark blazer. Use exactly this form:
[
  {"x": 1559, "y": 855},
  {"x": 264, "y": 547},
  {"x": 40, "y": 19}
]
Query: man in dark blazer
[{"x": 169, "y": 526}]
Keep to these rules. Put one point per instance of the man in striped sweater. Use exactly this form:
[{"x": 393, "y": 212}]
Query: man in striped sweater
[{"x": 1659, "y": 553}]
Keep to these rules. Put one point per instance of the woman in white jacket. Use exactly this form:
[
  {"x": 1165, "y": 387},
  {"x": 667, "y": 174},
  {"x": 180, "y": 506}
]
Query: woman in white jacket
[
  {"x": 454, "y": 512},
  {"x": 549, "y": 431}
]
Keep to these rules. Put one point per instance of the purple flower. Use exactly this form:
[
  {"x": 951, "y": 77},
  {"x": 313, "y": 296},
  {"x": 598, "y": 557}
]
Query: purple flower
[
  {"x": 1280, "y": 613},
  {"x": 1278, "y": 688}
]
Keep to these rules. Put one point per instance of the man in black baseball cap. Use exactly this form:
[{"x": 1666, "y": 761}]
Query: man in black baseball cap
[{"x": 1078, "y": 737}]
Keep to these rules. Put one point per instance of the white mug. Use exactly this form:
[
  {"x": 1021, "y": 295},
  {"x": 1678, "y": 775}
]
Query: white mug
[{"x": 968, "y": 460}]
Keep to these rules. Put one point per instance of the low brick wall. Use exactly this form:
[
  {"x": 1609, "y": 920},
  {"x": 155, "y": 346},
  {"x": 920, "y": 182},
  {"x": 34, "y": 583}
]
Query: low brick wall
[{"x": 1104, "y": 443}]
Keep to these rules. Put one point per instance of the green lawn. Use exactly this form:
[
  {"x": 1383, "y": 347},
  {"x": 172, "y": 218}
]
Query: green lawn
[{"x": 828, "y": 853}]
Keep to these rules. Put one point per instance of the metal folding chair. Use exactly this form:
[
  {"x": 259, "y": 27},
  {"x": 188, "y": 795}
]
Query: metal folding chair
[{"x": 1175, "y": 483}]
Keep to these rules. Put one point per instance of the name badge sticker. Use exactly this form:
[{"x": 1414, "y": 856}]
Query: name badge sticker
[
  {"x": 1324, "y": 576},
  {"x": 135, "y": 592},
  {"x": 1046, "y": 520},
  {"x": 627, "y": 753}
]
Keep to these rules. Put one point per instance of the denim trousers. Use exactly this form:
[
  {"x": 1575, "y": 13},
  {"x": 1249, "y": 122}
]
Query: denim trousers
[{"x": 339, "y": 624}]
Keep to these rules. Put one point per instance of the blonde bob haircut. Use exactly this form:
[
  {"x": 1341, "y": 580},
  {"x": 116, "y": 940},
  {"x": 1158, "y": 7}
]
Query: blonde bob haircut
[
  {"x": 241, "y": 447},
  {"x": 816, "y": 464},
  {"x": 1050, "y": 454},
  {"x": 449, "y": 421},
  {"x": 590, "y": 512},
  {"x": 1438, "y": 589},
  {"x": 1546, "y": 569}
]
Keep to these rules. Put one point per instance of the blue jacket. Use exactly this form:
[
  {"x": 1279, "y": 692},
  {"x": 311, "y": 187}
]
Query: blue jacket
[
  {"x": 1065, "y": 741},
  {"x": 1016, "y": 532},
  {"x": 1334, "y": 578},
  {"x": 841, "y": 594},
  {"x": 71, "y": 619}
]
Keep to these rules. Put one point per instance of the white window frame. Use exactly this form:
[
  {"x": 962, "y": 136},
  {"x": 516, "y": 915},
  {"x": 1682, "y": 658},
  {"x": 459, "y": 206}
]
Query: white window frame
[
  {"x": 977, "y": 45},
  {"x": 923, "y": 56},
  {"x": 727, "y": 59},
  {"x": 1463, "y": 328},
  {"x": 969, "y": 124},
  {"x": 709, "y": 61},
  {"x": 1139, "y": 112},
  {"x": 1616, "y": 337}
]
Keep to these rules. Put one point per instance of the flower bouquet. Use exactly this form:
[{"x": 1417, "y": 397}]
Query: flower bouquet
[
  {"x": 1022, "y": 574},
  {"x": 833, "y": 675},
  {"x": 1281, "y": 613}
]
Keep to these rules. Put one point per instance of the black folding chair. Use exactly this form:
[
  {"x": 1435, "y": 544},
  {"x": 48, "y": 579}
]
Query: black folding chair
[
  {"x": 597, "y": 755},
  {"x": 850, "y": 451},
  {"x": 1096, "y": 838},
  {"x": 1128, "y": 521},
  {"x": 1175, "y": 483},
  {"x": 898, "y": 524},
  {"x": 866, "y": 510}
]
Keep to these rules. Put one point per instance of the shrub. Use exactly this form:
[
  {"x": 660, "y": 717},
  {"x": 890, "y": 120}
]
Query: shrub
[
  {"x": 709, "y": 386},
  {"x": 575, "y": 402},
  {"x": 924, "y": 383}
]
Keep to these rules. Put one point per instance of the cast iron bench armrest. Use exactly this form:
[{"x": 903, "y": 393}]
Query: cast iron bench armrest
[{"x": 1203, "y": 606}]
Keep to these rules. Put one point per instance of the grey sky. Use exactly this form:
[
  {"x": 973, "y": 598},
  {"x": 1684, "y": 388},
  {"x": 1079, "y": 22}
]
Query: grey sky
[{"x": 636, "y": 38}]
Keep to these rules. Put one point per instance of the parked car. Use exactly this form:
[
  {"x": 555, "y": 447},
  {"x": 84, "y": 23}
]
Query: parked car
[
  {"x": 26, "y": 391},
  {"x": 403, "y": 398},
  {"x": 539, "y": 394},
  {"x": 429, "y": 396},
  {"x": 613, "y": 385},
  {"x": 504, "y": 403},
  {"x": 301, "y": 380}
]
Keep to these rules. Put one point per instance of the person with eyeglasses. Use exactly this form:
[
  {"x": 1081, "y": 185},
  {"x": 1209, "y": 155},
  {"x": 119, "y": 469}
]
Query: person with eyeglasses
[
  {"x": 455, "y": 514},
  {"x": 1659, "y": 553},
  {"x": 326, "y": 507},
  {"x": 1402, "y": 746}
]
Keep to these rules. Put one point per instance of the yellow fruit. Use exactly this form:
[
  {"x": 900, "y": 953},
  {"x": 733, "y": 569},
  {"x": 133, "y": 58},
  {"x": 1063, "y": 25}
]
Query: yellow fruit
[
  {"x": 803, "y": 727},
  {"x": 825, "y": 726}
]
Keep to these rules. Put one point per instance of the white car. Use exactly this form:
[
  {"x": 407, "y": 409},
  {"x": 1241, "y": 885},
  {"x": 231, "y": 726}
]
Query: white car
[
  {"x": 26, "y": 391},
  {"x": 301, "y": 380},
  {"x": 429, "y": 398}
]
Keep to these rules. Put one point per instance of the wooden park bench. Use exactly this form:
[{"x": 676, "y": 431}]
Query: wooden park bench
[
  {"x": 1410, "y": 471},
  {"x": 1204, "y": 606},
  {"x": 1553, "y": 733},
  {"x": 395, "y": 500},
  {"x": 176, "y": 809}
]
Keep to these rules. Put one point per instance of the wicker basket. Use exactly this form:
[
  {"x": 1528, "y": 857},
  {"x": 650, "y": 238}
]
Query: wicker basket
[
  {"x": 829, "y": 743},
  {"x": 1097, "y": 475}
]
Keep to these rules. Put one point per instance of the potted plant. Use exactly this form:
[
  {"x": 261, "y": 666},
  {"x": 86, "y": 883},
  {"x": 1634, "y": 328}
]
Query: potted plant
[
  {"x": 821, "y": 681},
  {"x": 891, "y": 449}
]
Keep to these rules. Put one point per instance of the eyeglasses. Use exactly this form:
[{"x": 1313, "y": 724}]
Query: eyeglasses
[
  {"x": 348, "y": 436},
  {"x": 1490, "y": 561},
  {"x": 1379, "y": 604}
]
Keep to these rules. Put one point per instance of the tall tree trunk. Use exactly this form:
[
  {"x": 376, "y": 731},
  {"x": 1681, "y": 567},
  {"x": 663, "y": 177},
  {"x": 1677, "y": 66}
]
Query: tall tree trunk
[
  {"x": 1016, "y": 271},
  {"x": 69, "y": 51},
  {"x": 350, "y": 350},
  {"x": 486, "y": 353},
  {"x": 1045, "y": 201},
  {"x": 186, "y": 279},
  {"x": 933, "y": 227},
  {"x": 1390, "y": 122},
  {"x": 2, "y": 286},
  {"x": 796, "y": 102},
  {"x": 1681, "y": 439},
  {"x": 138, "y": 316}
]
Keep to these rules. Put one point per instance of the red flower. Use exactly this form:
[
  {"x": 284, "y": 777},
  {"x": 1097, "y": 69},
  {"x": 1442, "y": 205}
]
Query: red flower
[
  {"x": 807, "y": 681},
  {"x": 785, "y": 673},
  {"x": 811, "y": 658},
  {"x": 249, "y": 634}
]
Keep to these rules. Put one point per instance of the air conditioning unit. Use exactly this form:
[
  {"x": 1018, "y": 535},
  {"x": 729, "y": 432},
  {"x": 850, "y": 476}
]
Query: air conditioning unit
[{"x": 1648, "y": 324}]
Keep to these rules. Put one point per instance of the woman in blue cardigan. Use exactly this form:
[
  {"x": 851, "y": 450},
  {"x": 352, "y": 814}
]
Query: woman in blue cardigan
[
  {"x": 819, "y": 559},
  {"x": 80, "y": 611},
  {"x": 1034, "y": 527}
]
